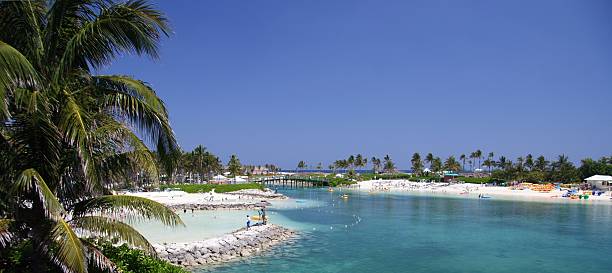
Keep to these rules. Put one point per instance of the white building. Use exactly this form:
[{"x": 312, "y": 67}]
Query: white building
[
  {"x": 239, "y": 180},
  {"x": 602, "y": 182}
]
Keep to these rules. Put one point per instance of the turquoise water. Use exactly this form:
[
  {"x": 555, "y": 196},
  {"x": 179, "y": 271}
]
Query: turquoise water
[
  {"x": 201, "y": 225},
  {"x": 413, "y": 233}
]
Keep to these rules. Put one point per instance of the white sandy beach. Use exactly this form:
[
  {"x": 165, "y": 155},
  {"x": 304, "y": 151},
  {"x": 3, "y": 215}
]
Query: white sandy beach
[
  {"x": 177, "y": 198},
  {"x": 468, "y": 190}
]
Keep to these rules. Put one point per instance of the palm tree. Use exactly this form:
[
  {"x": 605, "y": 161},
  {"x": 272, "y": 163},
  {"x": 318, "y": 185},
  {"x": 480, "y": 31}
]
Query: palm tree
[
  {"x": 462, "y": 158},
  {"x": 529, "y": 162},
  {"x": 429, "y": 159},
  {"x": 68, "y": 135},
  {"x": 359, "y": 161},
  {"x": 436, "y": 165},
  {"x": 375, "y": 164},
  {"x": 502, "y": 162},
  {"x": 301, "y": 165},
  {"x": 199, "y": 158},
  {"x": 389, "y": 165},
  {"x": 478, "y": 155},
  {"x": 451, "y": 164},
  {"x": 234, "y": 166},
  {"x": 417, "y": 164},
  {"x": 541, "y": 164},
  {"x": 350, "y": 162}
]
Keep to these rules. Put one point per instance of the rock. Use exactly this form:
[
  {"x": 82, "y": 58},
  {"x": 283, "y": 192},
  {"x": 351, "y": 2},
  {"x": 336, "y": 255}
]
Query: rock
[{"x": 241, "y": 243}]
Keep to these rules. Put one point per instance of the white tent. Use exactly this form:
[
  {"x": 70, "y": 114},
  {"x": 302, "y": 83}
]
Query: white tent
[
  {"x": 238, "y": 180},
  {"x": 219, "y": 178},
  {"x": 602, "y": 182}
]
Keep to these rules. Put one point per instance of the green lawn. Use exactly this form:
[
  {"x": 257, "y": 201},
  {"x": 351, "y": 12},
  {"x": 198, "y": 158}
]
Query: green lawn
[{"x": 195, "y": 188}]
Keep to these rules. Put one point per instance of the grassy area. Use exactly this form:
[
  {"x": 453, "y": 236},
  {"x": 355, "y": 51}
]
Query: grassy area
[
  {"x": 476, "y": 180},
  {"x": 195, "y": 188}
]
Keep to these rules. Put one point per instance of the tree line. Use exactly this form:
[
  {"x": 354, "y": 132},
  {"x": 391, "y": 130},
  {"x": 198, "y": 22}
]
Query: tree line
[
  {"x": 526, "y": 168},
  {"x": 201, "y": 165}
]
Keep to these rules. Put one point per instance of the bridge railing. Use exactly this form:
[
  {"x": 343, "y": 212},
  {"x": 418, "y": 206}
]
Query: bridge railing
[{"x": 316, "y": 180}]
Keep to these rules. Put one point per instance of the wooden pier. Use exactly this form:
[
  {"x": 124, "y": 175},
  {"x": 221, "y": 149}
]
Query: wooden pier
[{"x": 291, "y": 181}]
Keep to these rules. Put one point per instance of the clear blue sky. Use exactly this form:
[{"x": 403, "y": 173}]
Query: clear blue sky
[{"x": 281, "y": 81}]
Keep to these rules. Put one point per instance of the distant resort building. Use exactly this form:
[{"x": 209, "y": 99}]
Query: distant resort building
[
  {"x": 450, "y": 176},
  {"x": 601, "y": 182},
  {"x": 260, "y": 170},
  {"x": 219, "y": 179},
  {"x": 238, "y": 180}
]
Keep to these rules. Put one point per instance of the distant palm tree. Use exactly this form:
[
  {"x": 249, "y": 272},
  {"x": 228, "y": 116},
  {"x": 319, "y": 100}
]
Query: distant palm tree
[
  {"x": 234, "y": 166},
  {"x": 462, "y": 158},
  {"x": 472, "y": 160},
  {"x": 478, "y": 155},
  {"x": 529, "y": 162},
  {"x": 350, "y": 162},
  {"x": 451, "y": 164},
  {"x": 488, "y": 163},
  {"x": 541, "y": 164},
  {"x": 359, "y": 161},
  {"x": 301, "y": 165},
  {"x": 417, "y": 164},
  {"x": 502, "y": 162},
  {"x": 376, "y": 164},
  {"x": 429, "y": 159},
  {"x": 389, "y": 166},
  {"x": 436, "y": 165}
]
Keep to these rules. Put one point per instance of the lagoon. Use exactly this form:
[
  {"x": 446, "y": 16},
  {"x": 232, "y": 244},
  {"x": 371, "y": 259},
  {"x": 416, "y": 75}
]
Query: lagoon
[{"x": 389, "y": 232}]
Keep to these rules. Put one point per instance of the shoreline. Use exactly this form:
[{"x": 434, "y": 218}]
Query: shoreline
[
  {"x": 238, "y": 244},
  {"x": 466, "y": 190},
  {"x": 238, "y": 200}
]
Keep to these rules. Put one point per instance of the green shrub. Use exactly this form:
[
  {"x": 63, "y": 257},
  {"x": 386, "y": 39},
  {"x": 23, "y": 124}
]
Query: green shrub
[
  {"x": 130, "y": 260},
  {"x": 21, "y": 258}
]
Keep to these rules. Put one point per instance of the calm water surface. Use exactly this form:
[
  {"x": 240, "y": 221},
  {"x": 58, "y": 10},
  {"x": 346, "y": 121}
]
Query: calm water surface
[{"x": 412, "y": 233}]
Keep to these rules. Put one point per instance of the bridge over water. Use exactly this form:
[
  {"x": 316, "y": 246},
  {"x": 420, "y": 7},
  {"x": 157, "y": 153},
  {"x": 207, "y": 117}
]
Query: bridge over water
[{"x": 291, "y": 181}]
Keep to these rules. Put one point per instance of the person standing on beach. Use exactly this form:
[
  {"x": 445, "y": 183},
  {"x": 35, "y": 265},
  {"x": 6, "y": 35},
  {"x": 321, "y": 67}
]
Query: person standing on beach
[{"x": 248, "y": 222}]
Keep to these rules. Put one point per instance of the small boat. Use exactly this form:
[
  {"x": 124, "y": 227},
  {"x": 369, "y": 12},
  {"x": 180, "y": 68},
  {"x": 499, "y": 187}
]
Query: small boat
[
  {"x": 485, "y": 197},
  {"x": 344, "y": 196}
]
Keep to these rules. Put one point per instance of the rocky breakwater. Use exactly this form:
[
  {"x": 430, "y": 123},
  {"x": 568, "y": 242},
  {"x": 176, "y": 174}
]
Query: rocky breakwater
[
  {"x": 263, "y": 194},
  {"x": 241, "y": 243},
  {"x": 220, "y": 205}
]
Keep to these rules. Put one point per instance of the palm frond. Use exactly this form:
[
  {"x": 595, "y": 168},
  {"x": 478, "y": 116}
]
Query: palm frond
[
  {"x": 30, "y": 181},
  {"x": 138, "y": 102},
  {"x": 135, "y": 88},
  {"x": 128, "y": 153},
  {"x": 20, "y": 23},
  {"x": 140, "y": 206},
  {"x": 97, "y": 258},
  {"x": 5, "y": 234},
  {"x": 129, "y": 27},
  {"x": 15, "y": 71},
  {"x": 70, "y": 253},
  {"x": 72, "y": 122},
  {"x": 30, "y": 100},
  {"x": 111, "y": 229}
]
